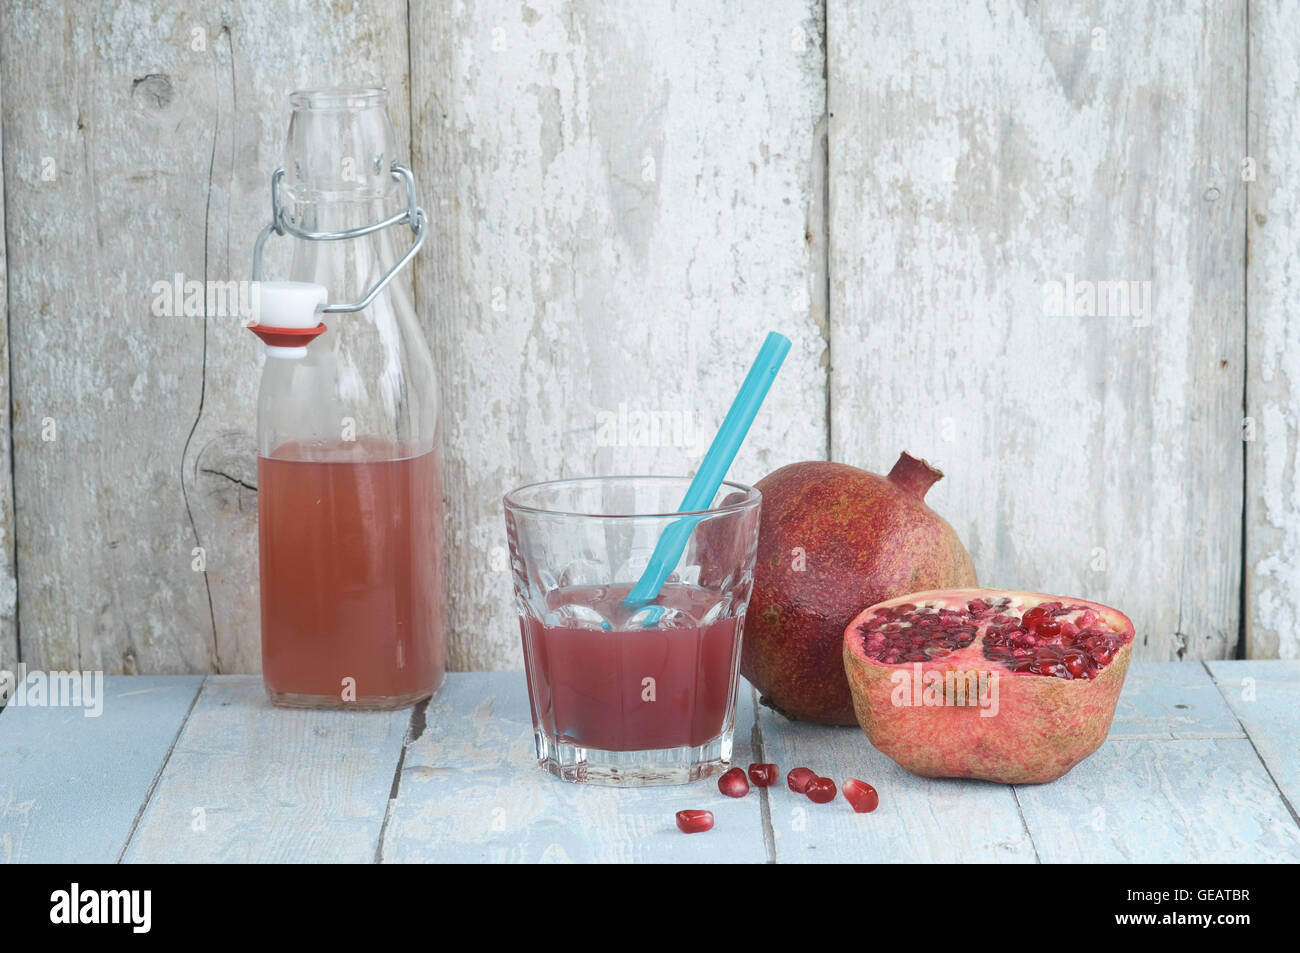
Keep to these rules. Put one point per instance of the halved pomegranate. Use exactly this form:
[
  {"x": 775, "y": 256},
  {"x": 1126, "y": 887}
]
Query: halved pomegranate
[{"x": 1016, "y": 687}]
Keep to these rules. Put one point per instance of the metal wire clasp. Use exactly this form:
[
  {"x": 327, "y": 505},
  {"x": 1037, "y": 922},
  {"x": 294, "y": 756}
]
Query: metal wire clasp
[{"x": 412, "y": 215}]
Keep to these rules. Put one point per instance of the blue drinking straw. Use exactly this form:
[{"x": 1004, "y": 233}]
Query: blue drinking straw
[{"x": 722, "y": 452}]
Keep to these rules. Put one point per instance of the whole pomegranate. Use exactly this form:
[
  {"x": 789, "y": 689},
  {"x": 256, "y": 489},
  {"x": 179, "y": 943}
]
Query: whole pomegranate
[
  {"x": 831, "y": 540},
  {"x": 982, "y": 683}
]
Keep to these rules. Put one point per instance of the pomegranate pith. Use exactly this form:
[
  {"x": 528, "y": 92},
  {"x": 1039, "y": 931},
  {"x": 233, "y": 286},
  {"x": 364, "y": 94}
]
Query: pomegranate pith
[
  {"x": 981, "y": 683},
  {"x": 694, "y": 822},
  {"x": 733, "y": 783}
]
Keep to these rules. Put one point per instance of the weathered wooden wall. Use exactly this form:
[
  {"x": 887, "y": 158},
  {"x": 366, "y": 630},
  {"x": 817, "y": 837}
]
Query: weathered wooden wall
[
  {"x": 8, "y": 577},
  {"x": 625, "y": 196},
  {"x": 1003, "y": 147},
  {"x": 1272, "y": 611},
  {"x": 625, "y": 201},
  {"x": 162, "y": 121}
]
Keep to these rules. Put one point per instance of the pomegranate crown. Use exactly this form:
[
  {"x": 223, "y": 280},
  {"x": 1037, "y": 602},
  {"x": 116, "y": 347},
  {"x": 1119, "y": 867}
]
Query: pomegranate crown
[{"x": 914, "y": 474}]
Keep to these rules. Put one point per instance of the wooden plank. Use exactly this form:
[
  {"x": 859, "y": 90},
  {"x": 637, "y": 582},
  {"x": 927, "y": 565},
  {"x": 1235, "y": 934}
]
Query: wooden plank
[
  {"x": 952, "y": 820},
  {"x": 919, "y": 819},
  {"x": 1171, "y": 700},
  {"x": 1285, "y": 671},
  {"x": 163, "y": 122},
  {"x": 979, "y": 152},
  {"x": 1273, "y": 372},
  {"x": 626, "y": 203},
  {"x": 71, "y": 786},
  {"x": 471, "y": 792},
  {"x": 1204, "y": 800},
  {"x": 8, "y": 577},
  {"x": 1266, "y": 697},
  {"x": 249, "y": 783},
  {"x": 276, "y": 785}
]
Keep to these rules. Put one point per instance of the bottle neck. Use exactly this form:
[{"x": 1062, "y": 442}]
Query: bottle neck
[
  {"x": 341, "y": 214},
  {"x": 338, "y": 163},
  {"x": 347, "y": 267}
]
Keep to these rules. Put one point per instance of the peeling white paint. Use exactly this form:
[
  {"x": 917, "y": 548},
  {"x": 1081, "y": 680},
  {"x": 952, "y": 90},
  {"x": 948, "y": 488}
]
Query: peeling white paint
[
  {"x": 1273, "y": 220},
  {"x": 623, "y": 202},
  {"x": 1059, "y": 436},
  {"x": 631, "y": 192}
]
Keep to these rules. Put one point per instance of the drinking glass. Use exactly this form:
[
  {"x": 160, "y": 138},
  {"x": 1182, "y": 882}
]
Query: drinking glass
[{"x": 630, "y": 694}]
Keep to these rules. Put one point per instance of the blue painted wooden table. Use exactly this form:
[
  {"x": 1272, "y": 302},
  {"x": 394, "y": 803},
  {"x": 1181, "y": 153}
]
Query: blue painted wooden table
[{"x": 1201, "y": 765}]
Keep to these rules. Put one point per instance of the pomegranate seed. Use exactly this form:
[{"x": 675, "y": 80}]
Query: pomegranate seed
[
  {"x": 1048, "y": 666},
  {"x": 733, "y": 783},
  {"x": 1047, "y": 629},
  {"x": 694, "y": 822},
  {"x": 821, "y": 790},
  {"x": 861, "y": 795},
  {"x": 763, "y": 774},
  {"x": 798, "y": 779},
  {"x": 1033, "y": 617},
  {"x": 976, "y": 606}
]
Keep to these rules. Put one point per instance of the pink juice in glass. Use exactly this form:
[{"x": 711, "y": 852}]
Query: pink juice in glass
[{"x": 631, "y": 688}]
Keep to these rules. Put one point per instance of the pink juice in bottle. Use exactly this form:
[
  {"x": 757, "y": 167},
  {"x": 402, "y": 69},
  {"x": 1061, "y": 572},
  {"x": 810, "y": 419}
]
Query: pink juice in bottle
[
  {"x": 629, "y": 688},
  {"x": 351, "y": 574}
]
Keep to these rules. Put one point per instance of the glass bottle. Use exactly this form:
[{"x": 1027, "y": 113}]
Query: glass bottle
[{"x": 350, "y": 519}]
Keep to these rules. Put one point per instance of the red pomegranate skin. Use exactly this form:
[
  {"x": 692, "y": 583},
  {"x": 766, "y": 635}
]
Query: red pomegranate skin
[
  {"x": 1044, "y": 725},
  {"x": 864, "y": 538}
]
